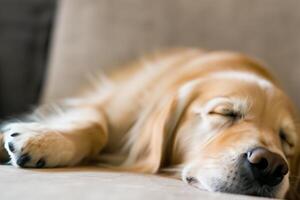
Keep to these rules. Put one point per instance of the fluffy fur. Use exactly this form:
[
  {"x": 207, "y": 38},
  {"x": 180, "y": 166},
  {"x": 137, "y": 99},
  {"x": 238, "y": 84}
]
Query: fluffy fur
[{"x": 167, "y": 112}]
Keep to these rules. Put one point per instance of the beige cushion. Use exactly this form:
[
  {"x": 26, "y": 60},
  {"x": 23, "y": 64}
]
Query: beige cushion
[
  {"x": 96, "y": 184},
  {"x": 96, "y": 34}
]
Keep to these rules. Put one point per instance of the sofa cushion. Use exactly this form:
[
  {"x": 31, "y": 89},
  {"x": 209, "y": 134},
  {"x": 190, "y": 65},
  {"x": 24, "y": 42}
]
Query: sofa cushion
[
  {"x": 93, "y": 35},
  {"x": 93, "y": 184}
]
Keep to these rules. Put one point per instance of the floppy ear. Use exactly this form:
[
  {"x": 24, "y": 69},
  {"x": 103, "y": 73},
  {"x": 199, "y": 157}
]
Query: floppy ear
[
  {"x": 152, "y": 134},
  {"x": 294, "y": 191}
]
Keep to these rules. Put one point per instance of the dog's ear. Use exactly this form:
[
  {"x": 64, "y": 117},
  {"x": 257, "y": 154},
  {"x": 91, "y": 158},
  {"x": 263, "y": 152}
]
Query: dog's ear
[
  {"x": 294, "y": 191},
  {"x": 152, "y": 134}
]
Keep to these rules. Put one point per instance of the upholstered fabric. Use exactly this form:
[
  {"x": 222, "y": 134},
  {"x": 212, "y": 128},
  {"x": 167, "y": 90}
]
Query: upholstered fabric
[
  {"x": 99, "y": 34},
  {"x": 96, "y": 184}
]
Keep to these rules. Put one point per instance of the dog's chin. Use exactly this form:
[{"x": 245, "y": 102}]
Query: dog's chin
[
  {"x": 254, "y": 191},
  {"x": 251, "y": 189}
]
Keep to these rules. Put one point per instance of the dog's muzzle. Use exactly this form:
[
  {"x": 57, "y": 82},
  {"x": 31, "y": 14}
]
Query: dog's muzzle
[{"x": 258, "y": 172}]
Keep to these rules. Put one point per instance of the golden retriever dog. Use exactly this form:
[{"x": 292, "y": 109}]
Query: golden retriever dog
[{"x": 217, "y": 120}]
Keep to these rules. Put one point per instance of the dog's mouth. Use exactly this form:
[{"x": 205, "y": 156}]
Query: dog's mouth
[
  {"x": 259, "y": 172},
  {"x": 235, "y": 188},
  {"x": 249, "y": 189}
]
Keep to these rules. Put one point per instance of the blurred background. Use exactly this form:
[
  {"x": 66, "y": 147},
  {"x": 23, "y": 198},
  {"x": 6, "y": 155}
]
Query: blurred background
[
  {"x": 25, "y": 31},
  {"x": 47, "y": 47}
]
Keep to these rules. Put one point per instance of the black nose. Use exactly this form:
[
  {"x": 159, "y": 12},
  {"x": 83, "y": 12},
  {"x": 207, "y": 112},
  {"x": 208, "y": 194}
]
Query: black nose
[{"x": 268, "y": 168}]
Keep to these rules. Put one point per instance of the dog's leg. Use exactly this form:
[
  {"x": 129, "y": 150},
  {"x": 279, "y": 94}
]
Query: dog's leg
[{"x": 63, "y": 139}]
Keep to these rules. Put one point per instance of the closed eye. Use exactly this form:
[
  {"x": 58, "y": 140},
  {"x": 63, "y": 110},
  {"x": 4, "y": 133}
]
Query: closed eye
[
  {"x": 228, "y": 113},
  {"x": 284, "y": 137}
]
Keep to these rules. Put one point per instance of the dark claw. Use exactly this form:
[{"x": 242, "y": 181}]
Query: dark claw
[
  {"x": 41, "y": 163},
  {"x": 22, "y": 160},
  {"x": 11, "y": 147},
  {"x": 191, "y": 180},
  {"x": 15, "y": 134}
]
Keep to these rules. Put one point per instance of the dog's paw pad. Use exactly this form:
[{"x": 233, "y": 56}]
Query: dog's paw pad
[
  {"x": 41, "y": 163},
  {"x": 11, "y": 147},
  {"x": 14, "y": 134},
  {"x": 23, "y": 159}
]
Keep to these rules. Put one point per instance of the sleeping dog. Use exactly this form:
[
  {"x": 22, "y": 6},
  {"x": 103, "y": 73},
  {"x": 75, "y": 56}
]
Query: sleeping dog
[{"x": 217, "y": 120}]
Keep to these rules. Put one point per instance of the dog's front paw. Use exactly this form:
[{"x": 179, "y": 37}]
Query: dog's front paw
[{"x": 35, "y": 145}]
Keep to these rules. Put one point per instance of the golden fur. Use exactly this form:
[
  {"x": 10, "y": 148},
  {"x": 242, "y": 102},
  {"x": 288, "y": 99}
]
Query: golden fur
[{"x": 164, "y": 113}]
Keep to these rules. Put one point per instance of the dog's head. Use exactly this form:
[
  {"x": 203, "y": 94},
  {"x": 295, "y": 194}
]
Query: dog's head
[
  {"x": 238, "y": 137},
  {"x": 230, "y": 132}
]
